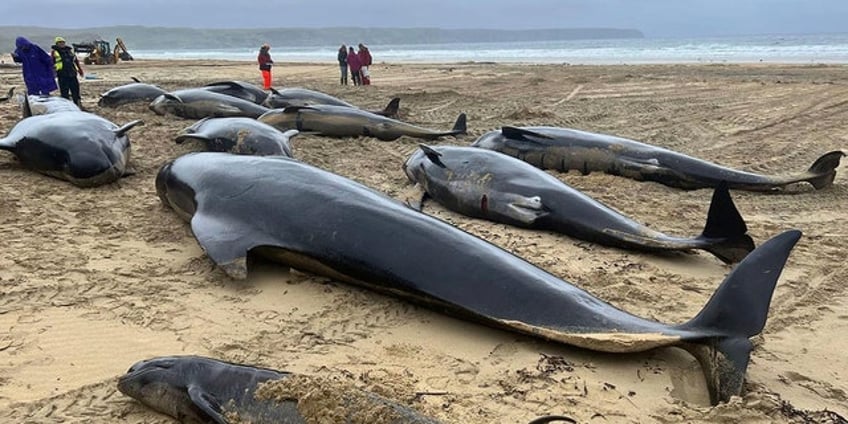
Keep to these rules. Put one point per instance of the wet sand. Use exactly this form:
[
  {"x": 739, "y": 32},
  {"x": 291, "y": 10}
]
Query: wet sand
[{"x": 92, "y": 280}]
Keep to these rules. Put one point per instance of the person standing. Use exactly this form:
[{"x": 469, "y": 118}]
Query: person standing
[
  {"x": 37, "y": 67},
  {"x": 343, "y": 64},
  {"x": 265, "y": 63},
  {"x": 67, "y": 67},
  {"x": 365, "y": 60},
  {"x": 355, "y": 65}
]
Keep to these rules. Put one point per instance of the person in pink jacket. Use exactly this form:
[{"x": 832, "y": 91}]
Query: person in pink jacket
[{"x": 355, "y": 66}]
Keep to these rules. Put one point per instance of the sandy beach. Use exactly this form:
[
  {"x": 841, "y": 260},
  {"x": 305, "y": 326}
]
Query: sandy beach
[{"x": 93, "y": 280}]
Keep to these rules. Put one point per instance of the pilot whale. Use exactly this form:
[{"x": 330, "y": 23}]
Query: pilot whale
[
  {"x": 320, "y": 222},
  {"x": 484, "y": 184},
  {"x": 564, "y": 149}
]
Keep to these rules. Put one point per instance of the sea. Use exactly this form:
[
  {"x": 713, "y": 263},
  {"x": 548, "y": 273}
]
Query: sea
[{"x": 801, "y": 49}]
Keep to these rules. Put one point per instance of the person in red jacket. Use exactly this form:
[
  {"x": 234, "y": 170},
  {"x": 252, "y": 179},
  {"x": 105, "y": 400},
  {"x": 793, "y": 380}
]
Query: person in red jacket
[
  {"x": 355, "y": 66},
  {"x": 364, "y": 57},
  {"x": 265, "y": 63}
]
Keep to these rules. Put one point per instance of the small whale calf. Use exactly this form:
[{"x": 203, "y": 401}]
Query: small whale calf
[{"x": 201, "y": 390}]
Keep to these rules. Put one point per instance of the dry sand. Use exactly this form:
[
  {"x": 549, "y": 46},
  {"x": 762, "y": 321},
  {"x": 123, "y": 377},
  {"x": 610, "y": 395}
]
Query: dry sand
[{"x": 92, "y": 280}]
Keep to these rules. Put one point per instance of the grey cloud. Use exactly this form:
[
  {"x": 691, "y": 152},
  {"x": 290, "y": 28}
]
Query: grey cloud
[{"x": 656, "y": 18}]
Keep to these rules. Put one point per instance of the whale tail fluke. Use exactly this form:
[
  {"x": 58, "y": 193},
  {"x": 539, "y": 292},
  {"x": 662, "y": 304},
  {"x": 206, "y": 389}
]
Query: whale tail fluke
[
  {"x": 726, "y": 226},
  {"x": 823, "y": 169},
  {"x": 737, "y": 311}
]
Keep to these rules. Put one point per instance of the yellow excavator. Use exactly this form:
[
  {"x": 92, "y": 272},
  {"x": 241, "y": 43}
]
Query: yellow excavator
[{"x": 99, "y": 52}]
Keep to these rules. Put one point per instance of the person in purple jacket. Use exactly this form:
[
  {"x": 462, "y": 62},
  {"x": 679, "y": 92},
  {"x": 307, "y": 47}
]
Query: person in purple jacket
[
  {"x": 37, "y": 67},
  {"x": 355, "y": 65}
]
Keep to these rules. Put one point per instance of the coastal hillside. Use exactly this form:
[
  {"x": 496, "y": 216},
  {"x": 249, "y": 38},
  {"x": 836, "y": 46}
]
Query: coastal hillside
[{"x": 143, "y": 38}]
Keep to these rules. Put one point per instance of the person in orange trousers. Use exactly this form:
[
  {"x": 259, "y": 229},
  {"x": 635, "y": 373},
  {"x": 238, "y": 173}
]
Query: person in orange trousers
[{"x": 265, "y": 63}]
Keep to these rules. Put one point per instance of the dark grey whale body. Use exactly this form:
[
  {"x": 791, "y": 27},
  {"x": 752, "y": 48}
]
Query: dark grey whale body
[
  {"x": 240, "y": 89},
  {"x": 320, "y": 222},
  {"x": 486, "y": 184},
  {"x": 340, "y": 121},
  {"x": 198, "y": 103},
  {"x": 296, "y": 96},
  {"x": 79, "y": 147},
  {"x": 198, "y": 389},
  {"x": 136, "y": 92},
  {"x": 565, "y": 149},
  {"x": 44, "y": 105},
  {"x": 244, "y": 136}
]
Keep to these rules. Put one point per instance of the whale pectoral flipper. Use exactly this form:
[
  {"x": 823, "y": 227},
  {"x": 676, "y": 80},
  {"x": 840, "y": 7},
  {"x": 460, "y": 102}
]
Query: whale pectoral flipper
[
  {"x": 9, "y": 95},
  {"x": 173, "y": 97},
  {"x": 7, "y": 144},
  {"x": 414, "y": 197},
  {"x": 120, "y": 132},
  {"x": 208, "y": 404},
  {"x": 516, "y": 133},
  {"x": 432, "y": 154},
  {"x": 737, "y": 311},
  {"x": 182, "y": 138},
  {"x": 226, "y": 243}
]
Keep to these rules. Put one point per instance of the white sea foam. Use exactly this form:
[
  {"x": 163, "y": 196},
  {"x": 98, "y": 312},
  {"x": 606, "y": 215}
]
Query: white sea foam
[{"x": 814, "y": 48}]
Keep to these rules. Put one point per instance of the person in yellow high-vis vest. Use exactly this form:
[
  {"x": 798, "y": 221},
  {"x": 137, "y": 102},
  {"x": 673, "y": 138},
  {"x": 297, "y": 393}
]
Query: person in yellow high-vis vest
[{"x": 67, "y": 67}]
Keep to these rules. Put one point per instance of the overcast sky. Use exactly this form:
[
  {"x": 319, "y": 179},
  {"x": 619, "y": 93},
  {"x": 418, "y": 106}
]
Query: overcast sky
[{"x": 655, "y": 18}]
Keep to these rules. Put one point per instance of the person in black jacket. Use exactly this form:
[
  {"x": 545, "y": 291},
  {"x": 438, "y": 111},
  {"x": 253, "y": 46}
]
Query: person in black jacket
[
  {"x": 343, "y": 64},
  {"x": 67, "y": 67}
]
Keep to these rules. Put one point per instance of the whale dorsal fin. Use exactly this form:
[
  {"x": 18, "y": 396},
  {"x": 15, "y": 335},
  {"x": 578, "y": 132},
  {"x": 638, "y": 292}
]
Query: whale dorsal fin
[{"x": 521, "y": 134}]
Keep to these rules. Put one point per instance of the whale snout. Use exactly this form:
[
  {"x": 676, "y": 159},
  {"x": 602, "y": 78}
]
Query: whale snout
[{"x": 412, "y": 163}]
